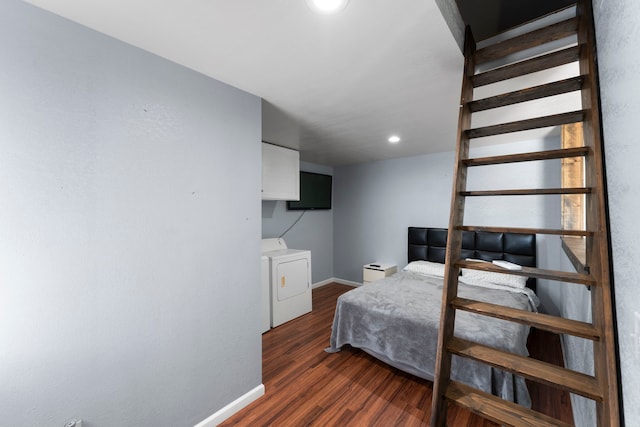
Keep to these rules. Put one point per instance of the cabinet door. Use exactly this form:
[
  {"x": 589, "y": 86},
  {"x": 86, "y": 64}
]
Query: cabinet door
[{"x": 280, "y": 173}]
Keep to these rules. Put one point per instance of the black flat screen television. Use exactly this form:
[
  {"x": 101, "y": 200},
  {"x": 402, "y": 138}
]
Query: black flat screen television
[{"x": 315, "y": 192}]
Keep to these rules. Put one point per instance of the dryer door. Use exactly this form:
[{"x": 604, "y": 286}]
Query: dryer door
[{"x": 293, "y": 278}]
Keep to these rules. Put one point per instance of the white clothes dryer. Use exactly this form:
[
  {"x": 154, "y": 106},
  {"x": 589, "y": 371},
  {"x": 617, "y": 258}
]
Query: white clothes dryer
[{"x": 290, "y": 280}]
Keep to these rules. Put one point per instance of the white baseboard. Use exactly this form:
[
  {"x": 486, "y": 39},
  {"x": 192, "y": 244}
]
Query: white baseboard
[
  {"x": 346, "y": 282},
  {"x": 322, "y": 283},
  {"x": 335, "y": 280},
  {"x": 232, "y": 407}
]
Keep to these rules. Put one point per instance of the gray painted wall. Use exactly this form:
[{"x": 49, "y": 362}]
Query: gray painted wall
[
  {"x": 618, "y": 30},
  {"x": 314, "y": 231},
  {"x": 574, "y": 302},
  {"x": 376, "y": 202},
  {"x": 129, "y": 227}
]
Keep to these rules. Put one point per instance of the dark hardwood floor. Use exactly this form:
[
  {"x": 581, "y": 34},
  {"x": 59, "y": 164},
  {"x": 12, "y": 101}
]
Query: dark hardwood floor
[{"x": 305, "y": 386}]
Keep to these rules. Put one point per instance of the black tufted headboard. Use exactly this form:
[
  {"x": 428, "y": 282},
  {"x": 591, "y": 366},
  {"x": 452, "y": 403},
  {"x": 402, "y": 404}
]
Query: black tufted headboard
[{"x": 430, "y": 244}]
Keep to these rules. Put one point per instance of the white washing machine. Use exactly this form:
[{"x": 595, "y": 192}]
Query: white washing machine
[{"x": 290, "y": 280}]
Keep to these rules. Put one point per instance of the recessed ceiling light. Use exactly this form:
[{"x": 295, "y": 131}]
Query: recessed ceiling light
[
  {"x": 394, "y": 139},
  {"x": 327, "y": 6}
]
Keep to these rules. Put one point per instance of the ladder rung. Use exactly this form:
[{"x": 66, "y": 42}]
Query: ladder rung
[
  {"x": 516, "y": 230},
  {"x": 527, "y": 192},
  {"x": 528, "y": 94},
  {"x": 543, "y": 372},
  {"x": 554, "y": 324},
  {"x": 538, "y": 273},
  {"x": 526, "y": 41},
  {"x": 498, "y": 410},
  {"x": 528, "y": 157},
  {"x": 528, "y": 124},
  {"x": 529, "y": 66}
]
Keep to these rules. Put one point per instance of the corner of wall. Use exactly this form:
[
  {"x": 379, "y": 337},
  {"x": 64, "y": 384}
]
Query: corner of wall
[{"x": 451, "y": 15}]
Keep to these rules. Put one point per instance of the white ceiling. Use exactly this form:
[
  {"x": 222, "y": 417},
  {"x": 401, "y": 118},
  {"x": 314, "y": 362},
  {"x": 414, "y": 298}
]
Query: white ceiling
[{"x": 334, "y": 87}]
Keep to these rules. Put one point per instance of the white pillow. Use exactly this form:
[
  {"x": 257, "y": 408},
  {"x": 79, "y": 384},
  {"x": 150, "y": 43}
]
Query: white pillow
[
  {"x": 475, "y": 260},
  {"x": 470, "y": 276},
  {"x": 426, "y": 267}
]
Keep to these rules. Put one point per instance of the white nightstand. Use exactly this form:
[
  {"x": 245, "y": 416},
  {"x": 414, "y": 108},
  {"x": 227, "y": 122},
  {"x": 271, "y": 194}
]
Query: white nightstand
[{"x": 377, "y": 271}]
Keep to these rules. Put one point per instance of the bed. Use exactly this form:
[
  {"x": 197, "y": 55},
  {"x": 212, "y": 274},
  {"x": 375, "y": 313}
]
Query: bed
[{"x": 396, "y": 319}]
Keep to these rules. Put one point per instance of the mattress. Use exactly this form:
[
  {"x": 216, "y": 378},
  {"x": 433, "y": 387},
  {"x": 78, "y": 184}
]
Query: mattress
[{"x": 396, "y": 320}]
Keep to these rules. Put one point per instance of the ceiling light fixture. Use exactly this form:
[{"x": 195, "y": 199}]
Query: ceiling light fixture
[
  {"x": 394, "y": 139},
  {"x": 327, "y": 6}
]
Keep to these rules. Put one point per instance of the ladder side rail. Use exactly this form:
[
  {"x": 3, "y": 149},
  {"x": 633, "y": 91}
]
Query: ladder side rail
[
  {"x": 454, "y": 241},
  {"x": 598, "y": 249}
]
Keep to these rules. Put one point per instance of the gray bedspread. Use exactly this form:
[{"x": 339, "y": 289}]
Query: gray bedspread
[{"x": 396, "y": 320}]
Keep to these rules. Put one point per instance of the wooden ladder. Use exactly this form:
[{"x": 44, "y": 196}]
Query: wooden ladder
[{"x": 602, "y": 387}]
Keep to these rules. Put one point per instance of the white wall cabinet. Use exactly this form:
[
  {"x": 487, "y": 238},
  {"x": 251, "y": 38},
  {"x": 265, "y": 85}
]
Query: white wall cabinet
[{"x": 280, "y": 173}]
